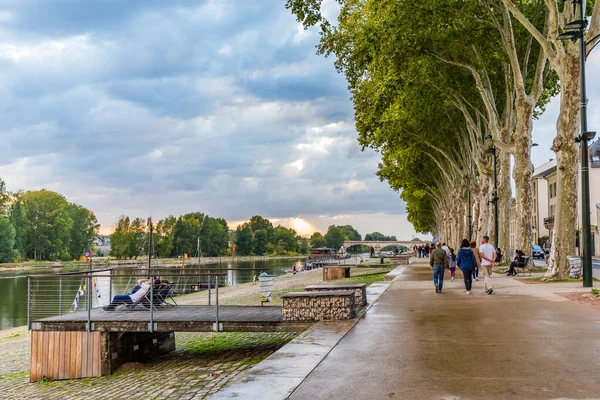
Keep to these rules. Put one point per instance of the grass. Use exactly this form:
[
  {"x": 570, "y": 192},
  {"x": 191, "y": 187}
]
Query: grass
[
  {"x": 234, "y": 341},
  {"x": 12, "y": 377},
  {"x": 540, "y": 279},
  {"x": 595, "y": 291}
]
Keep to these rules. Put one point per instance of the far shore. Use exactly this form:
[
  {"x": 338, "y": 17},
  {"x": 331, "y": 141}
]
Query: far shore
[{"x": 106, "y": 262}]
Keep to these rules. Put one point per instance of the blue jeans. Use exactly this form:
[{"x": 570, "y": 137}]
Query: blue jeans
[
  {"x": 438, "y": 276},
  {"x": 475, "y": 272},
  {"x": 120, "y": 299}
]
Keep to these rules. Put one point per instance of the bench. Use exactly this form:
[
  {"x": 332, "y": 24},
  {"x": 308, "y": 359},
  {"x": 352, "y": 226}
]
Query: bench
[
  {"x": 335, "y": 272},
  {"x": 317, "y": 305},
  {"x": 525, "y": 263},
  {"x": 360, "y": 289}
]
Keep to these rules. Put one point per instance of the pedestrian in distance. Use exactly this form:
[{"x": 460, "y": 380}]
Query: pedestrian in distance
[
  {"x": 488, "y": 258},
  {"x": 438, "y": 262},
  {"x": 473, "y": 245},
  {"x": 446, "y": 248},
  {"x": 426, "y": 251},
  {"x": 452, "y": 264},
  {"x": 466, "y": 261}
]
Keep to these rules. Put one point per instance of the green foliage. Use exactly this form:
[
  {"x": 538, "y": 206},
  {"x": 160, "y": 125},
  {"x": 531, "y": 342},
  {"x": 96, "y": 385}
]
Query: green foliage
[
  {"x": 244, "y": 240},
  {"x": 335, "y": 237},
  {"x": 285, "y": 240},
  {"x": 380, "y": 237},
  {"x": 7, "y": 240},
  {"x": 595, "y": 291},
  {"x": 47, "y": 224},
  {"x": 317, "y": 240},
  {"x": 16, "y": 219},
  {"x": 304, "y": 246},
  {"x": 165, "y": 236},
  {"x": 213, "y": 236},
  {"x": 85, "y": 228}
]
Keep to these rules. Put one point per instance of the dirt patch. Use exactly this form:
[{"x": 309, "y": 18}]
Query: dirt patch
[
  {"x": 586, "y": 299},
  {"x": 131, "y": 367}
]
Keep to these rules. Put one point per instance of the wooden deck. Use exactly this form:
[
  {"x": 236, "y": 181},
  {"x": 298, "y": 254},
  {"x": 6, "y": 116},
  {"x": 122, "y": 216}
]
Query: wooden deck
[{"x": 175, "y": 319}]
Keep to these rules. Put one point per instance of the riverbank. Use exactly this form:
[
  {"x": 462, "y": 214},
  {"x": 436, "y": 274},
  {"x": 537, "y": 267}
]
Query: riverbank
[
  {"x": 202, "y": 364},
  {"x": 106, "y": 262}
]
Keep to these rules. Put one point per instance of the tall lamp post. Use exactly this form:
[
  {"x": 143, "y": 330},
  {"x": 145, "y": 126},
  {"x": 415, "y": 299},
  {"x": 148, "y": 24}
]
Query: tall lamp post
[
  {"x": 494, "y": 200},
  {"x": 576, "y": 31}
]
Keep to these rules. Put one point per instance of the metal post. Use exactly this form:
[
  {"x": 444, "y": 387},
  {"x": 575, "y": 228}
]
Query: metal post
[
  {"x": 28, "y": 303},
  {"x": 151, "y": 325},
  {"x": 89, "y": 301},
  {"x": 209, "y": 285},
  {"x": 585, "y": 177},
  {"x": 60, "y": 296},
  {"x": 217, "y": 301},
  {"x": 470, "y": 215},
  {"x": 495, "y": 200}
]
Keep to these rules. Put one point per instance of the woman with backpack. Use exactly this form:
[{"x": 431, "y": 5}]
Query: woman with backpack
[{"x": 466, "y": 261}]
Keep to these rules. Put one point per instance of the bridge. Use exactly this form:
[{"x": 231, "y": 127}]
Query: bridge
[{"x": 380, "y": 244}]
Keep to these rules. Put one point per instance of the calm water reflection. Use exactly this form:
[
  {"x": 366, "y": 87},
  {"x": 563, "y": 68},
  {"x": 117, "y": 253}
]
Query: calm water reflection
[{"x": 13, "y": 286}]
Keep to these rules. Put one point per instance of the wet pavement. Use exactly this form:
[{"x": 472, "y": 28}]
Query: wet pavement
[{"x": 522, "y": 342}]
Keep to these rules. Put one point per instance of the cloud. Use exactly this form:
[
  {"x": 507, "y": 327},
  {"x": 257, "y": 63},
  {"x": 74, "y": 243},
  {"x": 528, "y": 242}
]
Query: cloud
[{"x": 157, "y": 108}]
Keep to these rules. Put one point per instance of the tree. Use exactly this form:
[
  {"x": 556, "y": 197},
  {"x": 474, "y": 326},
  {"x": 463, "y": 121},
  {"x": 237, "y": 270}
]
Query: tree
[
  {"x": 243, "y": 240},
  {"x": 16, "y": 219},
  {"x": 187, "y": 231},
  {"x": 317, "y": 240},
  {"x": 285, "y": 239},
  {"x": 260, "y": 242},
  {"x": 120, "y": 239},
  {"x": 7, "y": 240},
  {"x": 304, "y": 246},
  {"x": 165, "y": 236},
  {"x": 213, "y": 236},
  {"x": 47, "y": 224},
  {"x": 85, "y": 228},
  {"x": 335, "y": 237},
  {"x": 137, "y": 241},
  {"x": 350, "y": 233},
  {"x": 4, "y": 199},
  {"x": 257, "y": 222}
]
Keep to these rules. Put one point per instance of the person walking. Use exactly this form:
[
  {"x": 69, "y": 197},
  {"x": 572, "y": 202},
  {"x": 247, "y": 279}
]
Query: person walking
[
  {"x": 452, "y": 264},
  {"x": 445, "y": 248},
  {"x": 473, "y": 245},
  {"x": 488, "y": 258},
  {"x": 426, "y": 251},
  {"x": 438, "y": 262},
  {"x": 466, "y": 261}
]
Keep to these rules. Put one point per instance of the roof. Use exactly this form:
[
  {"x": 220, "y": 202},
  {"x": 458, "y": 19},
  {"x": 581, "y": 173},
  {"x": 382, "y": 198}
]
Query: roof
[{"x": 545, "y": 169}]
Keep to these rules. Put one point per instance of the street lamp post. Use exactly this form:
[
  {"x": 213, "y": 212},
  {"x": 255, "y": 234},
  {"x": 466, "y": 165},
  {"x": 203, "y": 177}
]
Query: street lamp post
[
  {"x": 494, "y": 199},
  {"x": 576, "y": 31}
]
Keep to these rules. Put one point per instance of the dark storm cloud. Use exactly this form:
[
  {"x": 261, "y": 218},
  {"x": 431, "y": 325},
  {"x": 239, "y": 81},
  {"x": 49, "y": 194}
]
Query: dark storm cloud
[{"x": 158, "y": 107}]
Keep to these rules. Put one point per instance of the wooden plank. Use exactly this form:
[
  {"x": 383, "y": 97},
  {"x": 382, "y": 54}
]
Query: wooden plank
[
  {"x": 73, "y": 358},
  {"x": 96, "y": 358},
  {"x": 40, "y": 354},
  {"x": 90, "y": 354},
  {"x": 78, "y": 373},
  {"x": 84, "y": 359},
  {"x": 56, "y": 357},
  {"x": 63, "y": 355},
  {"x": 33, "y": 357},
  {"x": 50, "y": 355}
]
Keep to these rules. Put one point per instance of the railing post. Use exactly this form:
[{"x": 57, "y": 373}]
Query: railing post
[
  {"x": 89, "y": 305},
  {"x": 60, "y": 296},
  {"x": 151, "y": 325},
  {"x": 217, "y": 302},
  {"x": 28, "y": 303},
  {"x": 209, "y": 285}
]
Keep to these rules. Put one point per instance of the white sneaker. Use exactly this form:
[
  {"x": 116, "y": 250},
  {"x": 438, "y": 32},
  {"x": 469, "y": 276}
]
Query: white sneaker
[
  {"x": 468, "y": 292},
  {"x": 477, "y": 279},
  {"x": 452, "y": 280}
]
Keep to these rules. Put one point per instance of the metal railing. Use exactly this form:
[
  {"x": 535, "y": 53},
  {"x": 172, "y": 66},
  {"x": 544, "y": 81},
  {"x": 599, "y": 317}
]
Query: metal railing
[
  {"x": 52, "y": 295},
  {"x": 549, "y": 221}
]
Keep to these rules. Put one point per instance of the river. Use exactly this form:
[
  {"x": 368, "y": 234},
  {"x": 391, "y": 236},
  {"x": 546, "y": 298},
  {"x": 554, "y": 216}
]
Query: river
[{"x": 13, "y": 285}]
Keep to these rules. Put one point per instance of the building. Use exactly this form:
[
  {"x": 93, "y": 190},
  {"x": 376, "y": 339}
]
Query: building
[
  {"x": 548, "y": 173},
  {"x": 540, "y": 200}
]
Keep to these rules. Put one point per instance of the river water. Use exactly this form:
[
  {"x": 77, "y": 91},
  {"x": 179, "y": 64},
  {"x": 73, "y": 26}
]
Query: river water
[{"x": 13, "y": 285}]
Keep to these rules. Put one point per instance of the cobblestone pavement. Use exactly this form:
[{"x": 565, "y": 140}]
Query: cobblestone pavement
[{"x": 202, "y": 364}]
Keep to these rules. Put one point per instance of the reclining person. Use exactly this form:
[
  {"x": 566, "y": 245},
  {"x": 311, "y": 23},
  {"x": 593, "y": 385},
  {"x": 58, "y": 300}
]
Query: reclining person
[{"x": 132, "y": 298}]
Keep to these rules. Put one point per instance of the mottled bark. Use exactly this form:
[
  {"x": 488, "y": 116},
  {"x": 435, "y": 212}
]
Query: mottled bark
[
  {"x": 565, "y": 221},
  {"x": 476, "y": 212},
  {"x": 483, "y": 223},
  {"x": 522, "y": 174}
]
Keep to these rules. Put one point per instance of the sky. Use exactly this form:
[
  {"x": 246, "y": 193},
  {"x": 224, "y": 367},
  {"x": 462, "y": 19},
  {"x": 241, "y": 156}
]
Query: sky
[{"x": 151, "y": 108}]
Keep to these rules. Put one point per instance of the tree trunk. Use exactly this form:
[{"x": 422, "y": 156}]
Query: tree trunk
[
  {"x": 484, "y": 209},
  {"x": 504, "y": 194},
  {"x": 476, "y": 212},
  {"x": 565, "y": 219},
  {"x": 522, "y": 174}
]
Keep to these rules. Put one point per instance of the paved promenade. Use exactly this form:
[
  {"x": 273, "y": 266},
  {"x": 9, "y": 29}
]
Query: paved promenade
[{"x": 522, "y": 342}]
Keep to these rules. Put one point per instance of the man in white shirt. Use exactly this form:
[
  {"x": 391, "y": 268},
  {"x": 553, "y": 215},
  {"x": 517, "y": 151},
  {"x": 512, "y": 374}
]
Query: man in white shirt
[
  {"x": 446, "y": 248},
  {"x": 130, "y": 298},
  {"x": 487, "y": 253}
]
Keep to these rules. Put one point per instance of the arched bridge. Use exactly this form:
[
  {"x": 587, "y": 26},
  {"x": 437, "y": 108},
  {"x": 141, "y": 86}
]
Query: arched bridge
[{"x": 380, "y": 244}]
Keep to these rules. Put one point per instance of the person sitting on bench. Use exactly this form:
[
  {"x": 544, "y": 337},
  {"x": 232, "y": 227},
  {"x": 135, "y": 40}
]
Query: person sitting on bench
[
  {"x": 515, "y": 263},
  {"x": 133, "y": 298}
]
